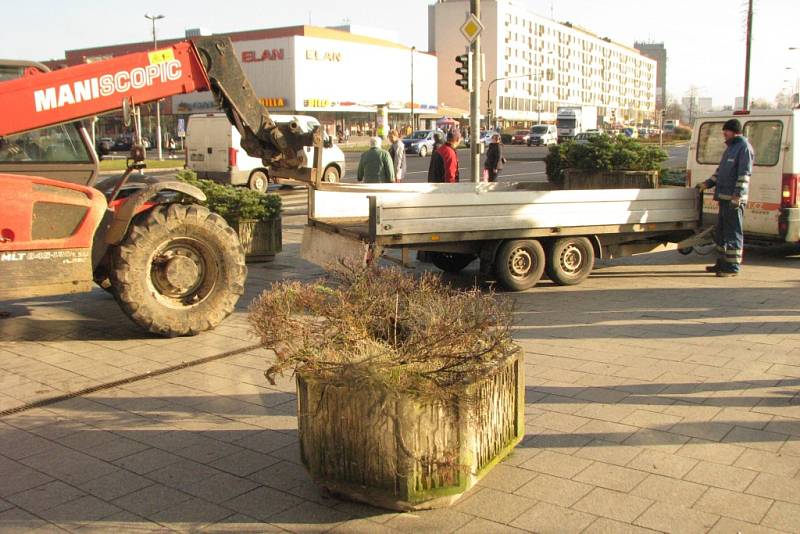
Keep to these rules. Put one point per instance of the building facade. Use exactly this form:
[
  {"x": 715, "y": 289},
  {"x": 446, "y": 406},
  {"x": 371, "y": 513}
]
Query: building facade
[
  {"x": 657, "y": 53},
  {"x": 341, "y": 78},
  {"x": 533, "y": 65}
]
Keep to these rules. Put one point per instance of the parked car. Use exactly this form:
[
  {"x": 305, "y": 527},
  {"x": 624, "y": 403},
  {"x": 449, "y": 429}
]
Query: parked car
[
  {"x": 521, "y": 137},
  {"x": 420, "y": 142},
  {"x": 485, "y": 137},
  {"x": 122, "y": 143},
  {"x": 543, "y": 135},
  {"x": 103, "y": 145},
  {"x": 584, "y": 137}
]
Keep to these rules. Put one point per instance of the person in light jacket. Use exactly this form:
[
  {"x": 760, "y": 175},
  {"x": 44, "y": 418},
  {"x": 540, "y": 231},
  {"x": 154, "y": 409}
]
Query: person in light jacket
[
  {"x": 398, "y": 152},
  {"x": 375, "y": 165},
  {"x": 494, "y": 158}
]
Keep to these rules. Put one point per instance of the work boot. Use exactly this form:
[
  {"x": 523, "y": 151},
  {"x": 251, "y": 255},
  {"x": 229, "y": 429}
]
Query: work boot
[
  {"x": 713, "y": 268},
  {"x": 727, "y": 274}
]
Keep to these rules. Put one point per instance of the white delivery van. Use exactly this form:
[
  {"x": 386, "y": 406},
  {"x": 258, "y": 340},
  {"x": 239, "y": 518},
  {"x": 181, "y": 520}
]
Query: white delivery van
[
  {"x": 213, "y": 151},
  {"x": 772, "y": 213}
]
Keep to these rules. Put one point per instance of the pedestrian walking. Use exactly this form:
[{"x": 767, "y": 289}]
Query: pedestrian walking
[
  {"x": 731, "y": 183},
  {"x": 494, "y": 161},
  {"x": 449, "y": 170},
  {"x": 375, "y": 165},
  {"x": 398, "y": 152},
  {"x": 171, "y": 146},
  {"x": 436, "y": 166}
]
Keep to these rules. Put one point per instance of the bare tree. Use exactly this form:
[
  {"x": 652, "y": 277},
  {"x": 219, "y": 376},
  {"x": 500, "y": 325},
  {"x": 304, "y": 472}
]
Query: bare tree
[
  {"x": 760, "y": 103},
  {"x": 783, "y": 100},
  {"x": 675, "y": 111}
]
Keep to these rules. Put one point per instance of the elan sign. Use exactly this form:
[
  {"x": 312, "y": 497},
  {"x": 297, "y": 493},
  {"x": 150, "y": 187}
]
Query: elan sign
[
  {"x": 317, "y": 55},
  {"x": 253, "y": 56}
]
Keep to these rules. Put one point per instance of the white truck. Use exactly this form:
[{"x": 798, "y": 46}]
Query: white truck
[
  {"x": 518, "y": 231},
  {"x": 772, "y": 213},
  {"x": 572, "y": 120}
]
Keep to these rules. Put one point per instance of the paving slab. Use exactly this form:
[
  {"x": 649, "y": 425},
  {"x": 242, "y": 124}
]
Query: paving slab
[{"x": 658, "y": 399}]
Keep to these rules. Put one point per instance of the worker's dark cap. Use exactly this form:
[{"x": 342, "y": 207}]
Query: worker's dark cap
[{"x": 733, "y": 125}]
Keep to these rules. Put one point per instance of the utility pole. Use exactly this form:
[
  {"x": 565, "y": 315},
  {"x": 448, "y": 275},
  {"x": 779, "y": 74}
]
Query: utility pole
[
  {"x": 474, "y": 98},
  {"x": 153, "y": 19},
  {"x": 746, "y": 103},
  {"x": 413, "y": 49}
]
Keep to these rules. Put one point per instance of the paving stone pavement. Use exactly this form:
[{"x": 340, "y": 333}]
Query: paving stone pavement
[{"x": 658, "y": 398}]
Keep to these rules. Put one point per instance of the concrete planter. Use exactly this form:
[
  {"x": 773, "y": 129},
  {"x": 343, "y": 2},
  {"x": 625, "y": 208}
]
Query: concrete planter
[
  {"x": 576, "y": 179},
  {"x": 402, "y": 453},
  {"x": 261, "y": 239}
]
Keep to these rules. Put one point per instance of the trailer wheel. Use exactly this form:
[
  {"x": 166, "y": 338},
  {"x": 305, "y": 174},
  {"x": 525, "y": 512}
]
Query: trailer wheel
[
  {"x": 451, "y": 262},
  {"x": 520, "y": 264},
  {"x": 179, "y": 271},
  {"x": 258, "y": 181},
  {"x": 570, "y": 260}
]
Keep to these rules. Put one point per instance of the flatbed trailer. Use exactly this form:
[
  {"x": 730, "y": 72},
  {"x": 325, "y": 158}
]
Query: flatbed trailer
[{"x": 518, "y": 231}]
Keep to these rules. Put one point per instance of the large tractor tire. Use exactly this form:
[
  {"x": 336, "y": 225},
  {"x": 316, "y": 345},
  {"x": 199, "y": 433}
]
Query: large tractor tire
[{"x": 179, "y": 271}]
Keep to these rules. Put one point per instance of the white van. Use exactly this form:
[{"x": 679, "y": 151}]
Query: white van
[
  {"x": 772, "y": 213},
  {"x": 543, "y": 134},
  {"x": 213, "y": 151}
]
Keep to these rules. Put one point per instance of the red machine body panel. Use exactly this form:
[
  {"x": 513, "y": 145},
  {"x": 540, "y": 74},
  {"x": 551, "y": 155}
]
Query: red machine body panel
[{"x": 43, "y": 99}]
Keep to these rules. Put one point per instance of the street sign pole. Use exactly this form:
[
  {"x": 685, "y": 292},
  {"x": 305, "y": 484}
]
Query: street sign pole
[{"x": 474, "y": 97}]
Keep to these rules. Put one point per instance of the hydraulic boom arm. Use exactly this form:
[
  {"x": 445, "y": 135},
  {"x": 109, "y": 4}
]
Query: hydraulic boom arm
[{"x": 40, "y": 99}]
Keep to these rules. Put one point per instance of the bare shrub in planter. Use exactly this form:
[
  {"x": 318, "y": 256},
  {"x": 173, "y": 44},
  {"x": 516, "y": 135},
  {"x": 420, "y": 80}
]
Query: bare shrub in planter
[{"x": 408, "y": 391}]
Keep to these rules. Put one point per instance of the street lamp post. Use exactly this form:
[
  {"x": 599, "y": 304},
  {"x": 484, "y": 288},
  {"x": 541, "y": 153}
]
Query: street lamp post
[
  {"x": 413, "y": 49},
  {"x": 153, "y": 19}
]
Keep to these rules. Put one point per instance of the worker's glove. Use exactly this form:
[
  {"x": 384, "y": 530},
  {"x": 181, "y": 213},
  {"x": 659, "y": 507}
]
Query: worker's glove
[
  {"x": 701, "y": 187},
  {"x": 736, "y": 202}
]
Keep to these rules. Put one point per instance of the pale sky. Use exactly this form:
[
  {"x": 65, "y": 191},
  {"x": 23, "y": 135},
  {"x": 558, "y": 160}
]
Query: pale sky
[{"x": 704, "y": 38}]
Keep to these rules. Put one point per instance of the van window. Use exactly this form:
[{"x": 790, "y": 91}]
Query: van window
[
  {"x": 765, "y": 136},
  {"x": 710, "y": 143}
]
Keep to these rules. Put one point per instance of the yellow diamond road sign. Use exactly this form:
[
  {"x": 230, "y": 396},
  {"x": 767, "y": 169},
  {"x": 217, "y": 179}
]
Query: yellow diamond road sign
[{"x": 471, "y": 28}]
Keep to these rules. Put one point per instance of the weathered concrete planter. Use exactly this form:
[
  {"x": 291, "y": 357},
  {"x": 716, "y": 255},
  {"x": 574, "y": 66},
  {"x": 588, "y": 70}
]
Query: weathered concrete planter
[
  {"x": 261, "y": 239},
  {"x": 576, "y": 179},
  {"x": 405, "y": 454}
]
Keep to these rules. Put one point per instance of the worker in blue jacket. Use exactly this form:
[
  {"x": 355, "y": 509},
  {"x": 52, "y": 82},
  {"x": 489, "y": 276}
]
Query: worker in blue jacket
[{"x": 731, "y": 181}]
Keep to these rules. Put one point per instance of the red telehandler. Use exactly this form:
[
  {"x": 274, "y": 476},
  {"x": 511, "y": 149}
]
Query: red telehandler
[{"x": 174, "y": 267}]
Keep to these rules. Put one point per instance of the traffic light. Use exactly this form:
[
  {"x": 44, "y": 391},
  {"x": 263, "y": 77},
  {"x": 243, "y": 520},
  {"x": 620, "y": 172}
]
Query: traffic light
[
  {"x": 464, "y": 70},
  {"x": 663, "y": 113}
]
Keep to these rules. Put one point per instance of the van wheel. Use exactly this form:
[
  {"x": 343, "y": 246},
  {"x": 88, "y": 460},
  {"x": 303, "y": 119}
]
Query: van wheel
[
  {"x": 423, "y": 151},
  {"x": 258, "y": 181},
  {"x": 331, "y": 175},
  {"x": 570, "y": 260},
  {"x": 519, "y": 264}
]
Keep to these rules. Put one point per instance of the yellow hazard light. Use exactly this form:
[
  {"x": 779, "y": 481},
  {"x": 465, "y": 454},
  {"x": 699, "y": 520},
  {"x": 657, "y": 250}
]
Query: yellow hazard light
[{"x": 435, "y": 238}]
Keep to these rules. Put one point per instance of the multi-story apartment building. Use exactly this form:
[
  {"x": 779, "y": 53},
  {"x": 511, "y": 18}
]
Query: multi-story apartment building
[
  {"x": 533, "y": 65},
  {"x": 658, "y": 53}
]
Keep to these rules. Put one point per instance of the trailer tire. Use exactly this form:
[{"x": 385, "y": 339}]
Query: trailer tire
[
  {"x": 451, "y": 262},
  {"x": 519, "y": 264},
  {"x": 570, "y": 260},
  {"x": 179, "y": 271}
]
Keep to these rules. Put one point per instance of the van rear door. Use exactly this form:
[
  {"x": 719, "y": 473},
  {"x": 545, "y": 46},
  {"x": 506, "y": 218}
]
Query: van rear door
[
  {"x": 208, "y": 138},
  {"x": 767, "y": 135}
]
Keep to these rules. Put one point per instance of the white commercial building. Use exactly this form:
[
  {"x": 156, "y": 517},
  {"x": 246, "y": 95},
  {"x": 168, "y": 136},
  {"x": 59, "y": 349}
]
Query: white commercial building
[
  {"x": 533, "y": 65},
  {"x": 336, "y": 76}
]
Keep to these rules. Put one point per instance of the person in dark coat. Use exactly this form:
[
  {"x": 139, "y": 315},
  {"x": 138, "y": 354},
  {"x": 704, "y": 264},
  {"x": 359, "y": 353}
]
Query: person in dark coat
[
  {"x": 494, "y": 158},
  {"x": 436, "y": 167}
]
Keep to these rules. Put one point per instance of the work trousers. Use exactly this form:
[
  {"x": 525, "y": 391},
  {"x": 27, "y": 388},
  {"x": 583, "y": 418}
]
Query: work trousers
[{"x": 729, "y": 237}]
